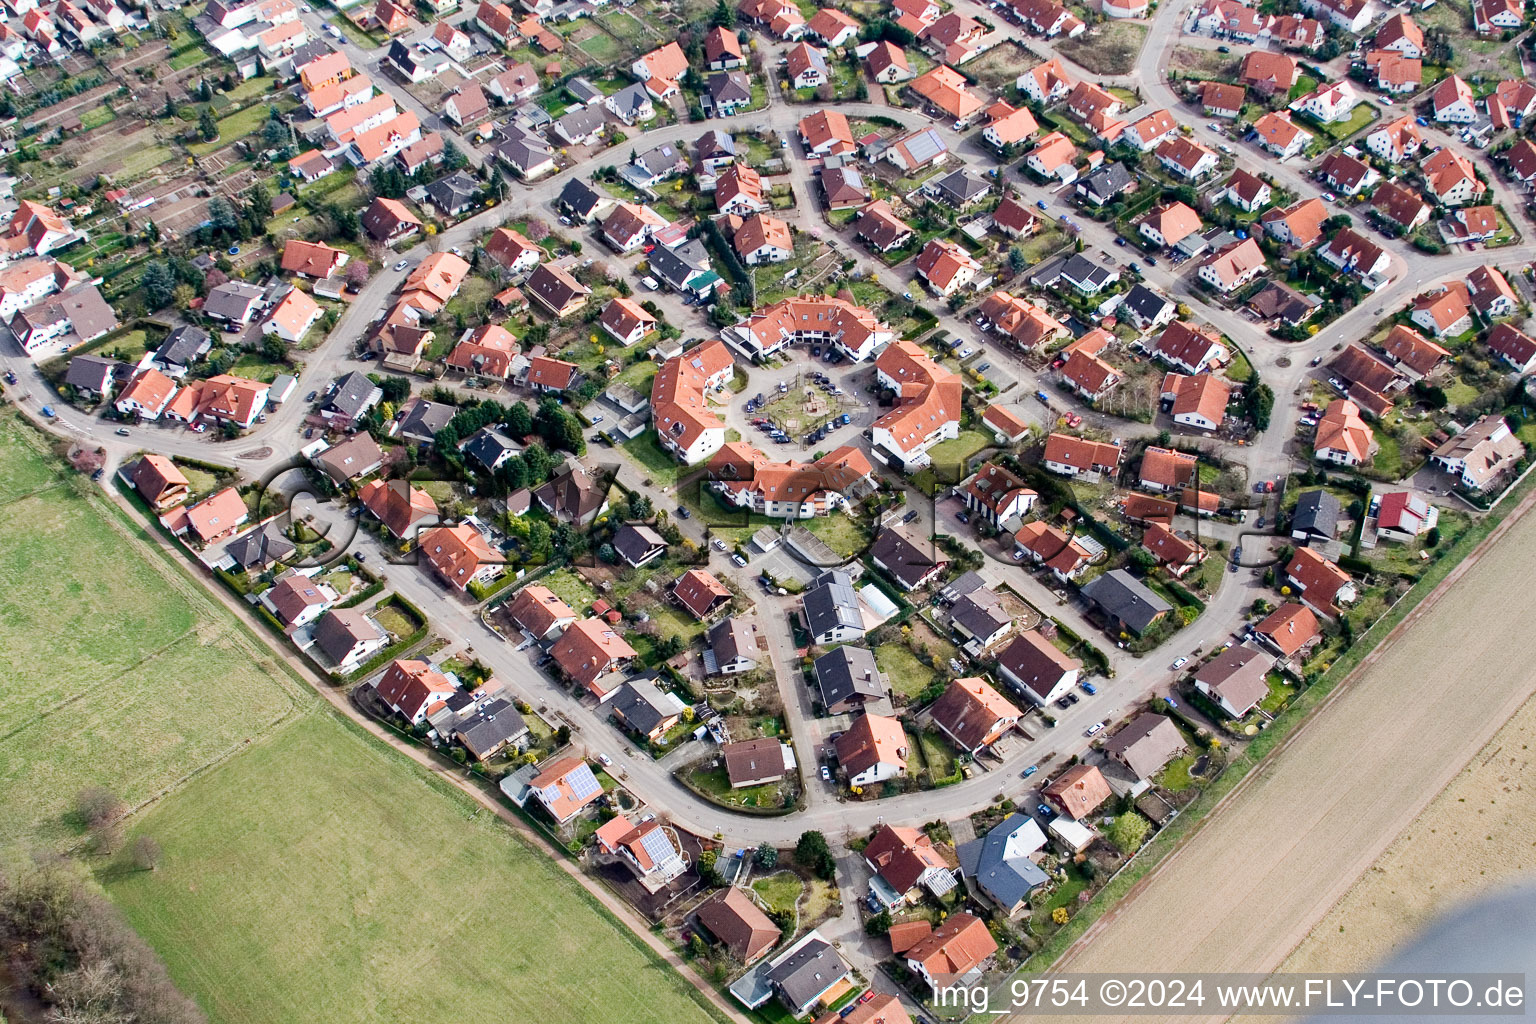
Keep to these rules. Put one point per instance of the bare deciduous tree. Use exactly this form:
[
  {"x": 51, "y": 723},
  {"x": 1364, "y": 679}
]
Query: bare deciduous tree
[
  {"x": 101, "y": 811},
  {"x": 146, "y": 853}
]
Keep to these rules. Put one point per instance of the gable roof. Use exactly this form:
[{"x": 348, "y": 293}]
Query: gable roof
[
  {"x": 1289, "y": 627},
  {"x": 1237, "y": 676},
  {"x": 871, "y": 740},
  {"x": 1146, "y": 744},
  {"x": 1078, "y": 791},
  {"x": 970, "y": 711},
  {"x": 732, "y": 917}
]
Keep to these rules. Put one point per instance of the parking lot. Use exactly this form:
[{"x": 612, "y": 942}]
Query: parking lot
[{"x": 835, "y": 405}]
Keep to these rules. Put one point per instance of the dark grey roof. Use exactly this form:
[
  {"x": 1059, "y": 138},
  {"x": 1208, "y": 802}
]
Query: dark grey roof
[
  {"x": 848, "y": 672},
  {"x": 531, "y": 115},
  {"x": 232, "y": 300},
  {"x": 831, "y": 602},
  {"x": 906, "y": 557},
  {"x": 676, "y": 266},
  {"x": 981, "y": 612},
  {"x": 1006, "y": 875},
  {"x": 261, "y": 546},
  {"x": 583, "y": 91},
  {"x": 1145, "y": 303},
  {"x": 402, "y": 55},
  {"x": 635, "y": 541},
  {"x": 488, "y": 447},
  {"x": 354, "y": 394},
  {"x": 579, "y": 198},
  {"x": 341, "y": 629},
  {"x": 1317, "y": 513},
  {"x": 495, "y": 723},
  {"x": 715, "y": 143},
  {"x": 1126, "y": 598},
  {"x": 310, "y": 52},
  {"x": 662, "y": 160},
  {"x": 1106, "y": 182},
  {"x": 957, "y": 188},
  {"x": 732, "y": 637},
  {"x": 1082, "y": 270},
  {"x": 575, "y": 124},
  {"x": 523, "y": 151},
  {"x": 1146, "y": 744},
  {"x": 630, "y": 101},
  {"x": 961, "y": 585},
  {"x": 729, "y": 87},
  {"x": 423, "y": 419},
  {"x": 453, "y": 192},
  {"x": 807, "y": 973},
  {"x": 642, "y": 705},
  {"x": 92, "y": 372}
]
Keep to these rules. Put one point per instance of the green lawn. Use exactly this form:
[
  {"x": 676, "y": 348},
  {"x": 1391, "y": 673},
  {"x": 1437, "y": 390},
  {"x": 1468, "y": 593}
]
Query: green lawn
[
  {"x": 570, "y": 588},
  {"x": 601, "y": 47},
  {"x": 839, "y": 532},
  {"x": 1175, "y": 777},
  {"x": 331, "y": 915},
  {"x": 903, "y": 672},
  {"x": 1362, "y": 115},
  {"x": 717, "y": 783},
  {"x": 256, "y": 367},
  {"x": 238, "y": 125},
  {"x": 135, "y": 678},
  {"x": 96, "y": 117},
  {"x": 781, "y": 891},
  {"x": 194, "y": 54},
  {"x": 958, "y": 451},
  {"x": 939, "y": 754},
  {"x": 659, "y": 465}
]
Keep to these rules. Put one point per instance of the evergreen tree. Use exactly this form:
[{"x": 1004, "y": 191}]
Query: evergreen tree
[{"x": 207, "y": 126}]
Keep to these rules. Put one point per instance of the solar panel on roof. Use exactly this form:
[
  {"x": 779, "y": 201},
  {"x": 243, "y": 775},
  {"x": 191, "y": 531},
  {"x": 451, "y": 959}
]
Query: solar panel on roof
[{"x": 582, "y": 782}]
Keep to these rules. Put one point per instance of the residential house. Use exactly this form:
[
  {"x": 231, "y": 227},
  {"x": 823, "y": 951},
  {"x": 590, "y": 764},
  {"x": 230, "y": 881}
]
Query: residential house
[
  {"x": 732, "y": 648},
  {"x": 1480, "y": 454},
  {"x": 1074, "y": 456},
  {"x": 1329, "y": 103},
  {"x": 738, "y": 924},
  {"x": 1219, "y": 99},
  {"x": 905, "y": 864},
  {"x": 389, "y": 221},
  {"x": 945, "y": 89},
  {"x": 564, "y": 787},
  {"x": 887, "y": 63},
  {"x": 1145, "y": 308},
  {"x": 1397, "y": 141},
  {"x": 1347, "y": 175},
  {"x": 1186, "y": 159},
  {"x": 1037, "y": 668},
  {"x": 927, "y": 408},
  {"x": 998, "y": 496},
  {"x": 1236, "y": 679},
  {"x": 1169, "y": 224},
  {"x": 1146, "y": 744},
  {"x": 915, "y": 150},
  {"x": 1323, "y": 586},
  {"x": 1490, "y": 292},
  {"x": 297, "y": 600},
  {"x": 1267, "y": 73},
  {"x": 879, "y": 227},
  {"x": 1054, "y": 156},
  {"x": 946, "y": 267},
  {"x": 1516, "y": 348},
  {"x": 1349, "y": 251},
  {"x": 574, "y": 497},
  {"x": 160, "y": 482},
  {"x": 459, "y": 555},
  {"x": 1402, "y": 517},
  {"x": 1247, "y": 192},
  {"x": 1077, "y": 792},
  {"x": 1052, "y": 548},
  {"x": 1006, "y": 426},
  {"x": 646, "y": 710},
  {"x": 1289, "y": 630},
  {"x": 1453, "y": 101},
  {"x": 1089, "y": 376},
  {"x": 973, "y": 715},
  {"x": 556, "y": 290},
  {"x": 1198, "y": 401},
  {"x": 700, "y": 593},
  {"x": 905, "y": 557},
  {"x": 410, "y": 687},
  {"x": 1278, "y": 134},
  {"x": 848, "y": 679},
  {"x": 587, "y": 650},
  {"x": 831, "y": 609},
  {"x": 1176, "y": 554},
  {"x": 314, "y": 260},
  {"x": 1125, "y": 601},
  {"x": 1299, "y": 225},
  {"x": 805, "y": 66},
  {"x": 1316, "y": 518},
  {"x": 871, "y": 750},
  {"x": 999, "y": 865},
  {"x": 401, "y": 507},
  {"x": 1450, "y": 178},
  {"x": 348, "y": 637},
  {"x": 293, "y": 316}
]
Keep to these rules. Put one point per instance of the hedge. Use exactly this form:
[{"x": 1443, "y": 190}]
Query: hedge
[
  {"x": 367, "y": 592},
  {"x": 482, "y": 592},
  {"x": 1183, "y": 595}
]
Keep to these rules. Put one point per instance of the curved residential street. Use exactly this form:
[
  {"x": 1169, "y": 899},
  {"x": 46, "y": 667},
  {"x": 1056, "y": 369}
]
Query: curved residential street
[{"x": 1131, "y": 935}]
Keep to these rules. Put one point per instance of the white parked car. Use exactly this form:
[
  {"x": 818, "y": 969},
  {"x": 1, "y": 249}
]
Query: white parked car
[
  {"x": 1179, "y": 663},
  {"x": 605, "y": 759},
  {"x": 1095, "y": 727}
]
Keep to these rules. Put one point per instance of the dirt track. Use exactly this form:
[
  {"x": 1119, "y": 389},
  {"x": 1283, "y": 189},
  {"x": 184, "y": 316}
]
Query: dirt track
[{"x": 1293, "y": 838}]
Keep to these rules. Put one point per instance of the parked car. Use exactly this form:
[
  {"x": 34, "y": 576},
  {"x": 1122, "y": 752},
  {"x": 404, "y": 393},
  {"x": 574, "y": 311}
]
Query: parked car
[
  {"x": 683, "y": 513},
  {"x": 402, "y": 264},
  {"x": 121, "y": 431},
  {"x": 1063, "y": 703},
  {"x": 605, "y": 759},
  {"x": 1027, "y": 772},
  {"x": 1044, "y": 810},
  {"x": 1095, "y": 728},
  {"x": 719, "y": 544},
  {"x": 1170, "y": 702},
  {"x": 1089, "y": 688},
  {"x": 740, "y": 562},
  {"x": 1179, "y": 663},
  {"x": 826, "y": 774}
]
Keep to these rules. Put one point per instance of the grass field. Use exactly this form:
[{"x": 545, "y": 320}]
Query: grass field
[
  {"x": 335, "y": 915},
  {"x": 659, "y": 465},
  {"x": 905, "y": 674},
  {"x": 124, "y": 692},
  {"x": 780, "y": 891}
]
